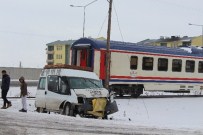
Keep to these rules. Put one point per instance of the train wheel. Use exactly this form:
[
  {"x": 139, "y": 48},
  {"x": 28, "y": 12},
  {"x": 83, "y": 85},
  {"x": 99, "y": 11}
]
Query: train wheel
[
  {"x": 121, "y": 93},
  {"x": 136, "y": 95}
]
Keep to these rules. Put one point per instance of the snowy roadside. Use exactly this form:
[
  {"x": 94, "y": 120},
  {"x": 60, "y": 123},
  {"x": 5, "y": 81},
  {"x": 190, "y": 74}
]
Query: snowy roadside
[
  {"x": 165, "y": 116},
  {"x": 136, "y": 116},
  {"x": 15, "y": 92},
  {"x": 34, "y": 123}
]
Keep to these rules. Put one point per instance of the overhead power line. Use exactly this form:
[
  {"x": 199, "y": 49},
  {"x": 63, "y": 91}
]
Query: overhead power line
[{"x": 118, "y": 22}]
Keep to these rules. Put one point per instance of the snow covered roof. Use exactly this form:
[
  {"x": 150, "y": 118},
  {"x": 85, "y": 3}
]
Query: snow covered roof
[
  {"x": 116, "y": 45},
  {"x": 69, "y": 72},
  {"x": 59, "y": 42}
]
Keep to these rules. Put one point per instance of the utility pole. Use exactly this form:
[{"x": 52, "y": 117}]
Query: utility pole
[{"x": 108, "y": 56}]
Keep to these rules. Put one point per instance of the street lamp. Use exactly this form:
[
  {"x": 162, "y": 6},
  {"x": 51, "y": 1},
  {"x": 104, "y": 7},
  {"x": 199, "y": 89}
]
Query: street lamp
[
  {"x": 84, "y": 7},
  {"x": 202, "y": 30}
]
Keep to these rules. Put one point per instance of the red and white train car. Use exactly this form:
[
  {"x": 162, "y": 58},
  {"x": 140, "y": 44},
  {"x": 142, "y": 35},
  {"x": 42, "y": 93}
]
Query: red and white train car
[{"x": 136, "y": 67}]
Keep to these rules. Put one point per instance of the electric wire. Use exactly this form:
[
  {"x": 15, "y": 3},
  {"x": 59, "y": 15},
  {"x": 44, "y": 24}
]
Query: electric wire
[
  {"x": 102, "y": 25},
  {"x": 118, "y": 22}
]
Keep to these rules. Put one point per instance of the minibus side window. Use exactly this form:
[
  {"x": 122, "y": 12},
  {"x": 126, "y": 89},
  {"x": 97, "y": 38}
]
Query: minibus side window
[
  {"x": 42, "y": 83},
  {"x": 53, "y": 83},
  {"x": 64, "y": 86}
]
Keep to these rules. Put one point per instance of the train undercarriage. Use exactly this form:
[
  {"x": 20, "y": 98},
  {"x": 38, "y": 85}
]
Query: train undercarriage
[{"x": 127, "y": 89}]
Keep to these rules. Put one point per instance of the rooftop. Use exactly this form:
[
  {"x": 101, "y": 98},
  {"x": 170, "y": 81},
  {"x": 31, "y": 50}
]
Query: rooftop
[
  {"x": 126, "y": 46},
  {"x": 59, "y": 42}
]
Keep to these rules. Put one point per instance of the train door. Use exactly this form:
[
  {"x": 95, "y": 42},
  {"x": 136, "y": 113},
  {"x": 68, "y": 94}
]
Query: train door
[{"x": 83, "y": 58}]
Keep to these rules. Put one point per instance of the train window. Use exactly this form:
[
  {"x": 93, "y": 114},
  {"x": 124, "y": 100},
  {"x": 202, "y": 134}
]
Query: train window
[
  {"x": 200, "y": 67},
  {"x": 147, "y": 63},
  {"x": 190, "y": 66},
  {"x": 176, "y": 65},
  {"x": 162, "y": 64},
  {"x": 133, "y": 62}
]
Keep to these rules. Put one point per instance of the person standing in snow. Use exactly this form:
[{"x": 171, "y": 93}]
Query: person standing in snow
[
  {"x": 23, "y": 94},
  {"x": 5, "y": 84}
]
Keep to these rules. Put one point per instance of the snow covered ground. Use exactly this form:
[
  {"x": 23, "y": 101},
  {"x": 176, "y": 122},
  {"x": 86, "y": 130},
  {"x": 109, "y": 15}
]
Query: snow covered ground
[
  {"x": 136, "y": 116},
  {"x": 15, "y": 92}
]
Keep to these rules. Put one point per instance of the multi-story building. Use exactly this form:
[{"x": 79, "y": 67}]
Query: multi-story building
[
  {"x": 174, "y": 41},
  {"x": 58, "y": 52},
  {"x": 197, "y": 41}
]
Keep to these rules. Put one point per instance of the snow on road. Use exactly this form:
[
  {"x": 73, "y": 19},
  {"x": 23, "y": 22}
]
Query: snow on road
[
  {"x": 136, "y": 116},
  {"x": 161, "y": 116},
  {"x": 173, "y": 113}
]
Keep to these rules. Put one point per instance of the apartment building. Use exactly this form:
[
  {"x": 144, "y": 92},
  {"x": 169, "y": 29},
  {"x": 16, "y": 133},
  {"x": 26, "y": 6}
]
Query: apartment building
[
  {"x": 58, "y": 52},
  {"x": 174, "y": 41}
]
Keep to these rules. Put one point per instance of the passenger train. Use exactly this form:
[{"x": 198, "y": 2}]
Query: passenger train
[{"x": 135, "y": 68}]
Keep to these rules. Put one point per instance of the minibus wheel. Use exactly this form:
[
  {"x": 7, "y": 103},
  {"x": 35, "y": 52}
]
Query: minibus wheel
[{"x": 68, "y": 109}]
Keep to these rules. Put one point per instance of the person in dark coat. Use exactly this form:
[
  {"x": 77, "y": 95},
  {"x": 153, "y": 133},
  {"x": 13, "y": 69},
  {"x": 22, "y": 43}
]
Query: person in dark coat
[
  {"x": 5, "y": 84},
  {"x": 23, "y": 94}
]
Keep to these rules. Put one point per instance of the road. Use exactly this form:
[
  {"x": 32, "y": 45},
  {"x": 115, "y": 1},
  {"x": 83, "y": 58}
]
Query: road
[{"x": 31, "y": 123}]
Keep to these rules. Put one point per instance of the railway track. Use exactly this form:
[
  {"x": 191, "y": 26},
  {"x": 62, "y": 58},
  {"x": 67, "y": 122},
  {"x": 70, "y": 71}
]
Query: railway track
[
  {"x": 159, "y": 96},
  {"x": 143, "y": 96}
]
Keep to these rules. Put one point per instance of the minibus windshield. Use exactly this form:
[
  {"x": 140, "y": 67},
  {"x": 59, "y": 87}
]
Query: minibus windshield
[{"x": 83, "y": 83}]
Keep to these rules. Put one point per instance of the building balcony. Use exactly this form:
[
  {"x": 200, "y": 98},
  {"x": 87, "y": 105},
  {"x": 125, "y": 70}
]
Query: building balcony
[
  {"x": 50, "y": 61},
  {"x": 50, "y": 52}
]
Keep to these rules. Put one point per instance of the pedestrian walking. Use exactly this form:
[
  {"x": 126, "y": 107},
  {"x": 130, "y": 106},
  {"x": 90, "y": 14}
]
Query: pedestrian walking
[
  {"x": 5, "y": 85},
  {"x": 23, "y": 94}
]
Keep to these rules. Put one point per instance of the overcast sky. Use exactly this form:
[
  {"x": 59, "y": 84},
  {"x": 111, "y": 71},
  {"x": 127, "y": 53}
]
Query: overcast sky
[{"x": 26, "y": 26}]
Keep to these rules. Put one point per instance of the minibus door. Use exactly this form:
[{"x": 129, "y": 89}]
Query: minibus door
[
  {"x": 40, "y": 94},
  {"x": 58, "y": 92}
]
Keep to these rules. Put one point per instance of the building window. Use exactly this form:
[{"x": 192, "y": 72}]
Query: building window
[
  {"x": 200, "y": 67},
  {"x": 50, "y": 56},
  {"x": 176, "y": 65},
  {"x": 147, "y": 63},
  {"x": 163, "y": 44},
  {"x": 186, "y": 43},
  {"x": 190, "y": 66},
  {"x": 162, "y": 64},
  {"x": 133, "y": 62},
  {"x": 59, "y": 56},
  {"x": 59, "y": 48},
  {"x": 50, "y": 48}
]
